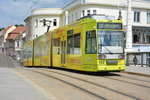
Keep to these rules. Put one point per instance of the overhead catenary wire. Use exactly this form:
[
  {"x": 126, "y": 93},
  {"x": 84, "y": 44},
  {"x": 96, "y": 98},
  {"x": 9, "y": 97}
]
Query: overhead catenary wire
[{"x": 34, "y": 3}]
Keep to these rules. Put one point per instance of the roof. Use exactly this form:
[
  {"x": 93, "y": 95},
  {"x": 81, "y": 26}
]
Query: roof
[
  {"x": 19, "y": 30},
  {"x": 5, "y": 30},
  {"x": 16, "y": 32},
  {"x": 12, "y": 36}
]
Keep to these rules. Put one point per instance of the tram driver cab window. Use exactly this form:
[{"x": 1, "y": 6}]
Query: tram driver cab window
[{"x": 91, "y": 42}]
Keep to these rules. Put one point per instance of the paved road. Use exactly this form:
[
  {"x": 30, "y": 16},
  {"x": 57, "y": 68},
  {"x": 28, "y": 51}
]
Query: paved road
[
  {"x": 72, "y": 85},
  {"x": 6, "y": 62}
]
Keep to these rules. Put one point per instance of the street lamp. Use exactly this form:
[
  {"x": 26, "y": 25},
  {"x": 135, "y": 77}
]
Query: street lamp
[
  {"x": 46, "y": 23},
  {"x": 120, "y": 10}
]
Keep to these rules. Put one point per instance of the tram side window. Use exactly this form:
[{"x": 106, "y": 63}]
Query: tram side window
[
  {"x": 70, "y": 44},
  {"x": 73, "y": 42},
  {"x": 57, "y": 42},
  {"x": 91, "y": 42},
  {"x": 36, "y": 50},
  {"x": 44, "y": 49},
  {"x": 24, "y": 54},
  {"x": 30, "y": 52},
  {"x": 57, "y": 45},
  {"x": 77, "y": 43}
]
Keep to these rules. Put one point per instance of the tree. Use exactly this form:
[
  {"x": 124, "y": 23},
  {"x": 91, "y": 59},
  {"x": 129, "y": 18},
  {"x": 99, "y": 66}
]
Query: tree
[
  {"x": 19, "y": 25},
  {"x": 1, "y": 29}
]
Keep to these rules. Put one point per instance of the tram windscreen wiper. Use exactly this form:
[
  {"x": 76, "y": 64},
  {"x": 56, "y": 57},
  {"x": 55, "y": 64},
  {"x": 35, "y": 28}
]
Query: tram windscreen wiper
[{"x": 106, "y": 48}]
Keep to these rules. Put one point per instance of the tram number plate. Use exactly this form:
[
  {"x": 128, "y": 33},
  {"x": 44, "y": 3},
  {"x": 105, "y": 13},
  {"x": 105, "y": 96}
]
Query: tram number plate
[{"x": 112, "y": 62}]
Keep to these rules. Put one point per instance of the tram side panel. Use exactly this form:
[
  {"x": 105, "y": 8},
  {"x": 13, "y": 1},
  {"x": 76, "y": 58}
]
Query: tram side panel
[
  {"x": 56, "y": 47},
  {"x": 90, "y": 47},
  {"x": 74, "y": 44},
  {"x": 45, "y": 50},
  {"x": 91, "y": 60},
  {"x": 28, "y": 54},
  {"x": 37, "y": 52},
  {"x": 31, "y": 50},
  {"x": 24, "y": 55},
  {"x": 67, "y": 47}
]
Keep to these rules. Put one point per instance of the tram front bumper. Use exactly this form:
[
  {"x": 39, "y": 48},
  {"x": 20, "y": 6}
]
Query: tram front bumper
[{"x": 111, "y": 68}]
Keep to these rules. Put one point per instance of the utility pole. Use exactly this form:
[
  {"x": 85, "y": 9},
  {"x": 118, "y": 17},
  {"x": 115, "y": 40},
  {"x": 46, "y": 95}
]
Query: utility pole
[
  {"x": 66, "y": 16},
  {"x": 129, "y": 28}
]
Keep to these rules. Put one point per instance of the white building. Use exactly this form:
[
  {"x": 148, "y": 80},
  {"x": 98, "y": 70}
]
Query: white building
[
  {"x": 35, "y": 25},
  {"x": 79, "y": 8},
  {"x": 18, "y": 46},
  {"x": 1, "y": 42},
  {"x": 5, "y": 33}
]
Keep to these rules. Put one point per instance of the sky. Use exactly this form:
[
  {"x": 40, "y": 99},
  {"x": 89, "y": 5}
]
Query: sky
[{"x": 14, "y": 12}]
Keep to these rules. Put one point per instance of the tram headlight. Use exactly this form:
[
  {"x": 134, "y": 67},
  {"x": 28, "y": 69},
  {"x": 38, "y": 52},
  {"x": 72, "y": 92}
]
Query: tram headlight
[
  {"x": 102, "y": 56},
  {"x": 121, "y": 56}
]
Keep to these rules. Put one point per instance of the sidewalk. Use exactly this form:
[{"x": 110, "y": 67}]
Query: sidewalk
[
  {"x": 138, "y": 70},
  {"x": 14, "y": 87}
]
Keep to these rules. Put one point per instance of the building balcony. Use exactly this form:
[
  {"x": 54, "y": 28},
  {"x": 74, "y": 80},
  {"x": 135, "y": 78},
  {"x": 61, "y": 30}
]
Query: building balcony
[{"x": 141, "y": 47}]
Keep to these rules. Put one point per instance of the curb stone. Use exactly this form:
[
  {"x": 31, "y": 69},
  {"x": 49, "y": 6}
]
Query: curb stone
[{"x": 135, "y": 73}]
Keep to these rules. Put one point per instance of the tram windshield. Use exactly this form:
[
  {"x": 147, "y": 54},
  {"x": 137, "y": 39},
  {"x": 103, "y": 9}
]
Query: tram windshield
[{"x": 110, "y": 42}]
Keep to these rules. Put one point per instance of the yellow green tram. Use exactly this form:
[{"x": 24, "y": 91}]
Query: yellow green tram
[
  {"x": 86, "y": 45},
  {"x": 28, "y": 53}
]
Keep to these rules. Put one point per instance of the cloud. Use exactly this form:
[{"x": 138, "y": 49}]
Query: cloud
[{"x": 49, "y": 1}]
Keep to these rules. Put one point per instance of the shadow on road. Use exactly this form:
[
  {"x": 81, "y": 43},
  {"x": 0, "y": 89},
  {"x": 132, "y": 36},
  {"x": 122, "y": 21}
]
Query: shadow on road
[{"x": 82, "y": 72}]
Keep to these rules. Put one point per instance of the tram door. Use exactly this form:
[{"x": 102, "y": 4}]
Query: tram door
[{"x": 63, "y": 52}]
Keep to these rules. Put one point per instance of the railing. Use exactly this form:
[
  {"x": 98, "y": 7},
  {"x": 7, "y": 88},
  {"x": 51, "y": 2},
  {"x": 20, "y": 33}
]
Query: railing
[{"x": 138, "y": 58}]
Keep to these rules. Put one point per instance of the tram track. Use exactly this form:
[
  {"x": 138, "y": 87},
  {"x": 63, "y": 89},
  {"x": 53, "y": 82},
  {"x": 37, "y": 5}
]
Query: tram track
[
  {"x": 91, "y": 93},
  {"x": 105, "y": 77},
  {"x": 87, "y": 82},
  {"x": 136, "y": 79},
  {"x": 129, "y": 82}
]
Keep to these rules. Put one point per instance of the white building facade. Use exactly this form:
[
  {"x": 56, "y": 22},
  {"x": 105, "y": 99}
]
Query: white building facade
[
  {"x": 1, "y": 42},
  {"x": 18, "y": 46},
  {"x": 80, "y": 8},
  {"x": 35, "y": 23}
]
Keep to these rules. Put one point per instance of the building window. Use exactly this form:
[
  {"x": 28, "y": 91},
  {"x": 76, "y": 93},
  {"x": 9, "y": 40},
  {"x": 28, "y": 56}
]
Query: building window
[
  {"x": 136, "y": 16},
  {"x": 18, "y": 44},
  {"x": 148, "y": 18},
  {"x": 94, "y": 12},
  {"x": 72, "y": 17},
  {"x": 83, "y": 13},
  {"x": 55, "y": 22},
  {"x": 148, "y": 38},
  {"x": 148, "y": 59},
  {"x": 68, "y": 19},
  {"x": 76, "y": 15},
  {"x": 88, "y": 12},
  {"x": 36, "y": 23},
  {"x": 135, "y": 38}
]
